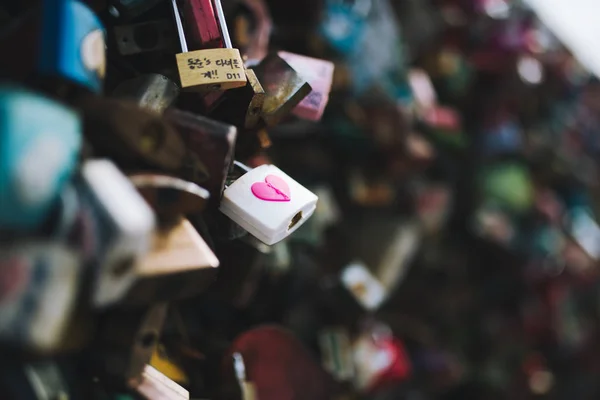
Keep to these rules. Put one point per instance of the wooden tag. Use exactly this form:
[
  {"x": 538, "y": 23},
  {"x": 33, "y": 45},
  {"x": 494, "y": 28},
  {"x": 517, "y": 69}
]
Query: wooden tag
[{"x": 211, "y": 69}]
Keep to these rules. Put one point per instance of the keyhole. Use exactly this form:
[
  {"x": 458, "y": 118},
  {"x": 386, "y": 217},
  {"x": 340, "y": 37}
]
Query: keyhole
[{"x": 295, "y": 220}]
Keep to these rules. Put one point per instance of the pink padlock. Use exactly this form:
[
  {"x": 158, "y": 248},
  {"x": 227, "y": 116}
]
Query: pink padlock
[{"x": 319, "y": 73}]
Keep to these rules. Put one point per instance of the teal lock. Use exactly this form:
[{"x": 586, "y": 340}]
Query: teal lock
[
  {"x": 72, "y": 45},
  {"x": 39, "y": 146}
]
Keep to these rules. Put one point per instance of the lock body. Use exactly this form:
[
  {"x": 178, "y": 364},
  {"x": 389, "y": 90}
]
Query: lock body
[
  {"x": 209, "y": 142},
  {"x": 319, "y": 73},
  {"x": 284, "y": 88},
  {"x": 179, "y": 265},
  {"x": 152, "y": 92},
  {"x": 211, "y": 69},
  {"x": 268, "y": 203},
  {"x": 121, "y": 224},
  {"x": 40, "y": 284},
  {"x": 73, "y": 44},
  {"x": 37, "y": 156}
]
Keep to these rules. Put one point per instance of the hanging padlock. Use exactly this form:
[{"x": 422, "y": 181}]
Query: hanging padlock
[
  {"x": 39, "y": 285},
  {"x": 73, "y": 45},
  {"x": 38, "y": 156},
  {"x": 126, "y": 341},
  {"x": 146, "y": 37},
  {"x": 170, "y": 197},
  {"x": 152, "y": 92},
  {"x": 319, "y": 73},
  {"x": 242, "y": 107},
  {"x": 267, "y": 203},
  {"x": 179, "y": 265},
  {"x": 209, "y": 69},
  {"x": 131, "y": 136},
  {"x": 284, "y": 87},
  {"x": 122, "y": 225},
  {"x": 269, "y": 351},
  {"x": 210, "y": 142}
]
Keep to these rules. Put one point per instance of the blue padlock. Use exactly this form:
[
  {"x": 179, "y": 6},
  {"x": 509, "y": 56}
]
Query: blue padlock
[
  {"x": 72, "y": 44},
  {"x": 39, "y": 146}
]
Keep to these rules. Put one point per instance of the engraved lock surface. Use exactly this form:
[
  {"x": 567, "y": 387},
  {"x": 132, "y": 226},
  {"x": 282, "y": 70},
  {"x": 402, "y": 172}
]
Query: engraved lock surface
[
  {"x": 146, "y": 37},
  {"x": 268, "y": 203},
  {"x": 130, "y": 135},
  {"x": 122, "y": 224},
  {"x": 72, "y": 44},
  {"x": 319, "y": 73},
  {"x": 39, "y": 287},
  {"x": 209, "y": 69},
  {"x": 179, "y": 265},
  {"x": 37, "y": 156},
  {"x": 153, "y": 92},
  {"x": 284, "y": 88}
]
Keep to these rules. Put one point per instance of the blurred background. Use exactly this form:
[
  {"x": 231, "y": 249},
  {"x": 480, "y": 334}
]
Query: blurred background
[{"x": 453, "y": 252}]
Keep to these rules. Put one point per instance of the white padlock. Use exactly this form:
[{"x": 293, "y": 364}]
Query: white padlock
[
  {"x": 267, "y": 203},
  {"x": 123, "y": 226}
]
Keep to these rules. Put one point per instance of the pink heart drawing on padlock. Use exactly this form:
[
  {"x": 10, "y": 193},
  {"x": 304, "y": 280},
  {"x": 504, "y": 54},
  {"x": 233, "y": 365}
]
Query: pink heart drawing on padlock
[{"x": 272, "y": 189}]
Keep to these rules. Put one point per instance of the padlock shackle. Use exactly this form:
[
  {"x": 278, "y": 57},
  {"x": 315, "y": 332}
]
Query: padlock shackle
[
  {"x": 180, "y": 31},
  {"x": 223, "y": 24}
]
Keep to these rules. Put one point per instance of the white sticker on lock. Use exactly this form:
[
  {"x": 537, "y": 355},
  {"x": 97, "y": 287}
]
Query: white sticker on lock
[{"x": 268, "y": 203}]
